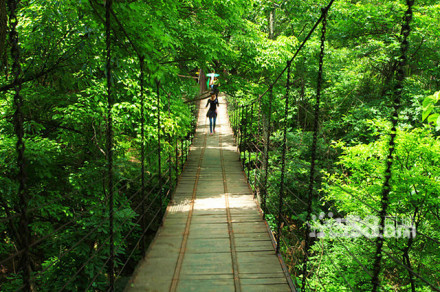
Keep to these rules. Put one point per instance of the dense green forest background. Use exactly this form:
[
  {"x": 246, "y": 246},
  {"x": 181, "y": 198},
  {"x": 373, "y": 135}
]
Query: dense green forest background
[{"x": 62, "y": 55}]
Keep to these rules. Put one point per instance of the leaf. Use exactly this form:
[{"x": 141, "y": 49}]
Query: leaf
[
  {"x": 434, "y": 118},
  {"x": 438, "y": 122},
  {"x": 427, "y": 110},
  {"x": 437, "y": 96},
  {"x": 429, "y": 100}
]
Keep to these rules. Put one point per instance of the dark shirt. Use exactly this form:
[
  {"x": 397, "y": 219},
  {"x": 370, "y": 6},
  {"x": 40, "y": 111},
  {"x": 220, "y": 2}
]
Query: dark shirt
[{"x": 212, "y": 104}]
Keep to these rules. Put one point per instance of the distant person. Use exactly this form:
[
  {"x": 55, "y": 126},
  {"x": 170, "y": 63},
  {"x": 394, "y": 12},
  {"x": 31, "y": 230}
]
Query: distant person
[
  {"x": 212, "y": 112},
  {"x": 214, "y": 84}
]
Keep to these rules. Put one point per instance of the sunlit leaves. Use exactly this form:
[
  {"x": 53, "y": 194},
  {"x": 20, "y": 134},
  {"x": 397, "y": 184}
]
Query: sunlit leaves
[{"x": 430, "y": 110}]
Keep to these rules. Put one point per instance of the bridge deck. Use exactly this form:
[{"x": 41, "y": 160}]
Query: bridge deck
[{"x": 213, "y": 237}]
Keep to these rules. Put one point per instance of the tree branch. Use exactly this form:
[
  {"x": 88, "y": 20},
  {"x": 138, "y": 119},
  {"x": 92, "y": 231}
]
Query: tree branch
[{"x": 44, "y": 72}]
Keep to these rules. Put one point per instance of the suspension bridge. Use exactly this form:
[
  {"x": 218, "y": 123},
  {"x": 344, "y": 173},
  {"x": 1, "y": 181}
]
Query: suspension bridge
[{"x": 215, "y": 235}]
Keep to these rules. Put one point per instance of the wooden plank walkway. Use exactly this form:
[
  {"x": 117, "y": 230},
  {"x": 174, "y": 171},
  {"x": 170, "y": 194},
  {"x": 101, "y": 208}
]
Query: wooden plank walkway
[{"x": 213, "y": 237}]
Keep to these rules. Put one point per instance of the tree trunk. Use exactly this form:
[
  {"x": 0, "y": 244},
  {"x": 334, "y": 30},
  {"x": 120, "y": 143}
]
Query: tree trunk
[
  {"x": 202, "y": 81},
  {"x": 272, "y": 24},
  {"x": 3, "y": 24}
]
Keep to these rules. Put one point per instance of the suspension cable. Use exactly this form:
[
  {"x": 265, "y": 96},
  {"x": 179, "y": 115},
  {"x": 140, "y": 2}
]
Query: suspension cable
[
  {"x": 398, "y": 88},
  {"x": 283, "y": 156},
  {"x": 314, "y": 145},
  {"x": 325, "y": 10}
]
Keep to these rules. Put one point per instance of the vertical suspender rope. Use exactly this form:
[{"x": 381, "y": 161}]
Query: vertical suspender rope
[
  {"x": 238, "y": 123},
  {"x": 258, "y": 160},
  {"x": 23, "y": 237},
  {"x": 400, "y": 76},
  {"x": 237, "y": 109},
  {"x": 170, "y": 153},
  {"x": 144, "y": 224},
  {"x": 237, "y": 120},
  {"x": 240, "y": 143},
  {"x": 266, "y": 151},
  {"x": 159, "y": 149},
  {"x": 283, "y": 158},
  {"x": 232, "y": 119},
  {"x": 108, "y": 6},
  {"x": 242, "y": 128},
  {"x": 182, "y": 153},
  {"x": 246, "y": 137},
  {"x": 250, "y": 141},
  {"x": 177, "y": 156},
  {"x": 235, "y": 114},
  {"x": 313, "y": 150}
]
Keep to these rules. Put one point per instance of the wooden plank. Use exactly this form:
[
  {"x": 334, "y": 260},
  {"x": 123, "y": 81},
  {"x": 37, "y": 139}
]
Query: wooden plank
[
  {"x": 207, "y": 263},
  {"x": 251, "y": 244},
  {"x": 258, "y": 262},
  {"x": 208, "y": 285},
  {"x": 249, "y": 227},
  {"x": 207, "y": 245},
  {"x": 265, "y": 288}
]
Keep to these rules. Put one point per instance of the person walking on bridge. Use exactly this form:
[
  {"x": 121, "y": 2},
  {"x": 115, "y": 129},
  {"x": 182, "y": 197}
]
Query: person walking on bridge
[
  {"x": 214, "y": 85},
  {"x": 212, "y": 112}
]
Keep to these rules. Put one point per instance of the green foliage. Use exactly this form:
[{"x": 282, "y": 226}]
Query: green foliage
[
  {"x": 430, "y": 110},
  {"x": 355, "y": 188},
  {"x": 361, "y": 53}
]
